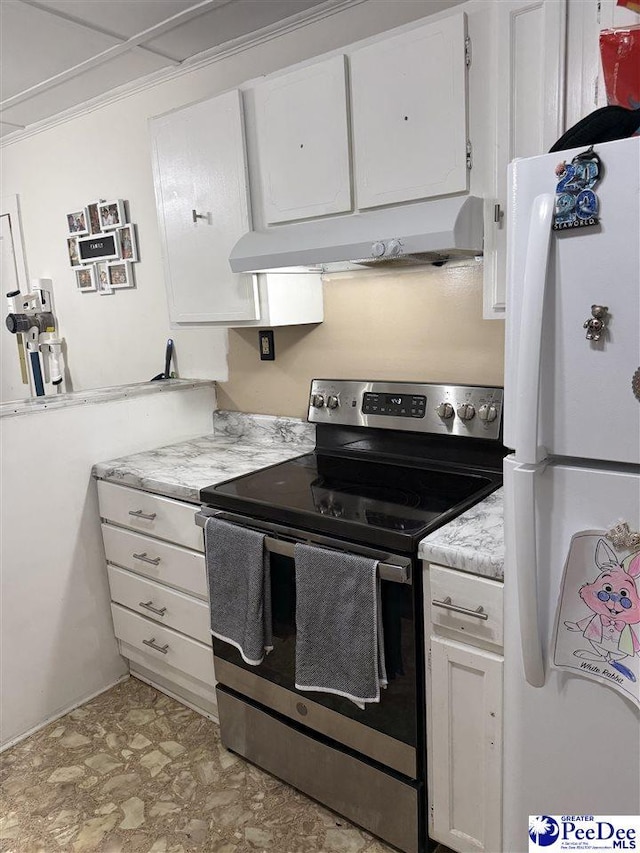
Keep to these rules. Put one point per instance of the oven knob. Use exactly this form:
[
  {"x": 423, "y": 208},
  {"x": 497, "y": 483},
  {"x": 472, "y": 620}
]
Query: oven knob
[
  {"x": 332, "y": 402},
  {"x": 445, "y": 411},
  {"x": 487, "y": 412},
  {"x": 317, "y": 401},
  {"x": 378, "y": 249},
  {"x": 466, "y": 412}
]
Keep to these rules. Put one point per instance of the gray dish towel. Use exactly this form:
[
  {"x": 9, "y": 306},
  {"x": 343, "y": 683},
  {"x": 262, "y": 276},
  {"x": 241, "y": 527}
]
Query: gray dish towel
[
  {"x": 239, "y": 588},
  {"x": 339, "y": 641}
]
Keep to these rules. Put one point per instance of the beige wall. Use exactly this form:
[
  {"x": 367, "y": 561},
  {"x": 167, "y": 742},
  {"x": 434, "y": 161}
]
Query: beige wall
[{"x": 422, "y": 325}]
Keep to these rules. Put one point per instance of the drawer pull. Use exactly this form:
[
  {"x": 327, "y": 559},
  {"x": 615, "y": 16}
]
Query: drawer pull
[
  {"x": 447, "y": 605},
  {"x": 148, "y": 605},
  {"x": 140, "y": 513},
  {"x": 152, "y": 643},
  {"x": 153, "y": 560}
]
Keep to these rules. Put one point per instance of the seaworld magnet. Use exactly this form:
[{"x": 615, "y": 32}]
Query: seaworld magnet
[{"x": 576, "y": 204}]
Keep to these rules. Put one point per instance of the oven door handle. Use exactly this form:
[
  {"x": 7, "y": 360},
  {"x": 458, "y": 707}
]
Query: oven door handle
[{"x": 386, "y": 571}]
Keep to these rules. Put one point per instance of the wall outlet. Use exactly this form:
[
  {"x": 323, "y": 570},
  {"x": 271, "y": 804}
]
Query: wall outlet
[{"x": 266, "y": 344}]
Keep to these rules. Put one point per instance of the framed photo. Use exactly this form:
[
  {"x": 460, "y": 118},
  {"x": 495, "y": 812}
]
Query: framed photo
[
  {"x": 98, "y": 247},
  {"x": 111, "y": 214},
  {"x": 102, "y": 279},
  {"x": 78, "y": 222},
  {"x": 119, "y": 274},
  {"x": 127, "y": 242},
  {"x": 94, "y": 217},
  {"x": 72, "y": 248},
  {"x": 86, "y": 278}
]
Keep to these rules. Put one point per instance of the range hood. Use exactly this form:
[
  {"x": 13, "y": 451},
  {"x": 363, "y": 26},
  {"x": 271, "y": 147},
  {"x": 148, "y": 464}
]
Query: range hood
[{"x": 419, "y": 233}]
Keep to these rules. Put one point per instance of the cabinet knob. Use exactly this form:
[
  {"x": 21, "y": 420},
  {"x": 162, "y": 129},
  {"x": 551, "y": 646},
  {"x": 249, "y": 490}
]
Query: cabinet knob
[
  {"x": 148, "y": 605},
  {"x": 447, "y": 604},
  {"x": 152, "y": 644},
  {"x": 140, "y": 513},
  {"x": 197, "y": 216}
]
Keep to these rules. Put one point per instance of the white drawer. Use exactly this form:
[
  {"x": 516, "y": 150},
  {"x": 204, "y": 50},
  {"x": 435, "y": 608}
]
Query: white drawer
[
  {"x": 175, "y": 610},
  {"x": 152, "y": 514},
  {"x": 169, "y": 648},
  {"x": 454, "y": 589},
  {"x": 160, "y": 561}
]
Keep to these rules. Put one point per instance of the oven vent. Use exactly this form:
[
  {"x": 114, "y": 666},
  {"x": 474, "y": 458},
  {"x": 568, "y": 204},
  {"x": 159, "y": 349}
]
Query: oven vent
[
  {"x": 417, "y": 259},
  {"x": 406, "y": 235}
]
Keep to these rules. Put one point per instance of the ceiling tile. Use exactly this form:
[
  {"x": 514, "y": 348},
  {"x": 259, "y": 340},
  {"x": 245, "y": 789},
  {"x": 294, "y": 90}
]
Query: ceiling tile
[
  {"x": 96, "y": 81},
  {"x": 40, "y": 39},
  {"x": 225, "y": 23},
  {"x": 125, "y": 18},
  {"x": 35, "y": 46}
]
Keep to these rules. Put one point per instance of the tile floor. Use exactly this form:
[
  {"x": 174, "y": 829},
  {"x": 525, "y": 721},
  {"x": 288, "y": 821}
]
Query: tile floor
[{"x": 133, "y": 770}]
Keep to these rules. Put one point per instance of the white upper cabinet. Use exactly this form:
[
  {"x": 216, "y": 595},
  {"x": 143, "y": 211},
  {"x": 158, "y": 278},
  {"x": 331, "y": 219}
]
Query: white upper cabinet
[
  {"x": 409, "y": 114},
  {"x": 529, "y": 88},
  {"x": 303, "y": 142},
  {"x": 202, "y": 200}
]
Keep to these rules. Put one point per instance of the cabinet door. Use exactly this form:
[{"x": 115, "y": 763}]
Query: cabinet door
[
  {"x": 466, "y": 752},
  {"x": 409, "y": 113},
  {"x": 201, "y": 194},
  {"x": 303, "y": 142},
  {"x": 529, "y": 80}
]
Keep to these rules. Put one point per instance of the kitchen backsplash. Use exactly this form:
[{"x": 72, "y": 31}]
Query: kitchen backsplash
[{"x": 423, "y": 324}]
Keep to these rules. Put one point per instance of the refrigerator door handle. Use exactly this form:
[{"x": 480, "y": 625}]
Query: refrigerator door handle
[
  {"x": 531, "y": 322},
  {"x": 525, "y": 570}
]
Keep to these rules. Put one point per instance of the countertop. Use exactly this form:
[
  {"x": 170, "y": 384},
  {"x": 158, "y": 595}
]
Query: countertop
[
  {"x": 32, "y": 405},
  {"x": 240, "y": 443},
  {"x": 473, "y": 542}
]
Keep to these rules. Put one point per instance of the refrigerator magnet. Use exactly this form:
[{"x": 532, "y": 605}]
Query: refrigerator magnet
[
  {"x": 576, "y": 203},
  {"x": 597, "y": 629}
]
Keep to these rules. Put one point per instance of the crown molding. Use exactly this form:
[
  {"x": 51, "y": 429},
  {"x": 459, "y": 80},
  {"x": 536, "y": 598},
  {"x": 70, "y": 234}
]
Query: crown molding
[{"x": 194, "y": 63}]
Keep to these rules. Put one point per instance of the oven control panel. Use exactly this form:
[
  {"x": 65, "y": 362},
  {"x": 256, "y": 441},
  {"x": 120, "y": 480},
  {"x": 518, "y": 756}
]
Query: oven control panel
[{"x": 468, "y": 410}]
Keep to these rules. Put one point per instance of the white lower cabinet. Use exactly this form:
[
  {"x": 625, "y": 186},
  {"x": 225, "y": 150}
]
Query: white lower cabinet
[
  {"x": 464, "y": 709},
  {"x": 159, "y": 598}
]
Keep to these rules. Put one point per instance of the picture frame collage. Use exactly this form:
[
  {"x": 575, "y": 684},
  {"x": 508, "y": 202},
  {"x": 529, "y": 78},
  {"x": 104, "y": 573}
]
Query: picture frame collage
[{"x": 102, "y": 247}]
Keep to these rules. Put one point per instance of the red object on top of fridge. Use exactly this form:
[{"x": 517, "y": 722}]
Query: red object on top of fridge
[{"x": 620, "y": 53}]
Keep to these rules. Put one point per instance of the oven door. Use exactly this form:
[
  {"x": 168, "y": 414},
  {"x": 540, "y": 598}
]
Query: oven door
[{"x": 388, "y": 731}]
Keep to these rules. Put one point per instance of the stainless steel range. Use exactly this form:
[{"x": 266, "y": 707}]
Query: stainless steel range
[{"x": 392, "y": 462}]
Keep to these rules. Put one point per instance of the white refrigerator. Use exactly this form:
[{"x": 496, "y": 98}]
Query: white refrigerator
[{"x": 572, "y": 423}]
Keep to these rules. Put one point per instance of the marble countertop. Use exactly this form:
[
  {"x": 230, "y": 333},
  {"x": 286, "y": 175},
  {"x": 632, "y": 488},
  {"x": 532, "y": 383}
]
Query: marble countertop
[
  {"x": 33, "y": 405},
  {"x": 240, "y": 443},
  {"x": 473, "y": 542}
]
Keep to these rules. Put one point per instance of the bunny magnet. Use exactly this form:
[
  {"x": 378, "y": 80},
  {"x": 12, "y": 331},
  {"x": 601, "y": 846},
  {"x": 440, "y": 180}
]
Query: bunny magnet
[{"x": 597, "y": 632}]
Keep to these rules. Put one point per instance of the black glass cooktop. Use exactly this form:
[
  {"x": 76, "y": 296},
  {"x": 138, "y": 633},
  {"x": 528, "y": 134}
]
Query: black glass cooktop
[{"x": 374, "y": 502}]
